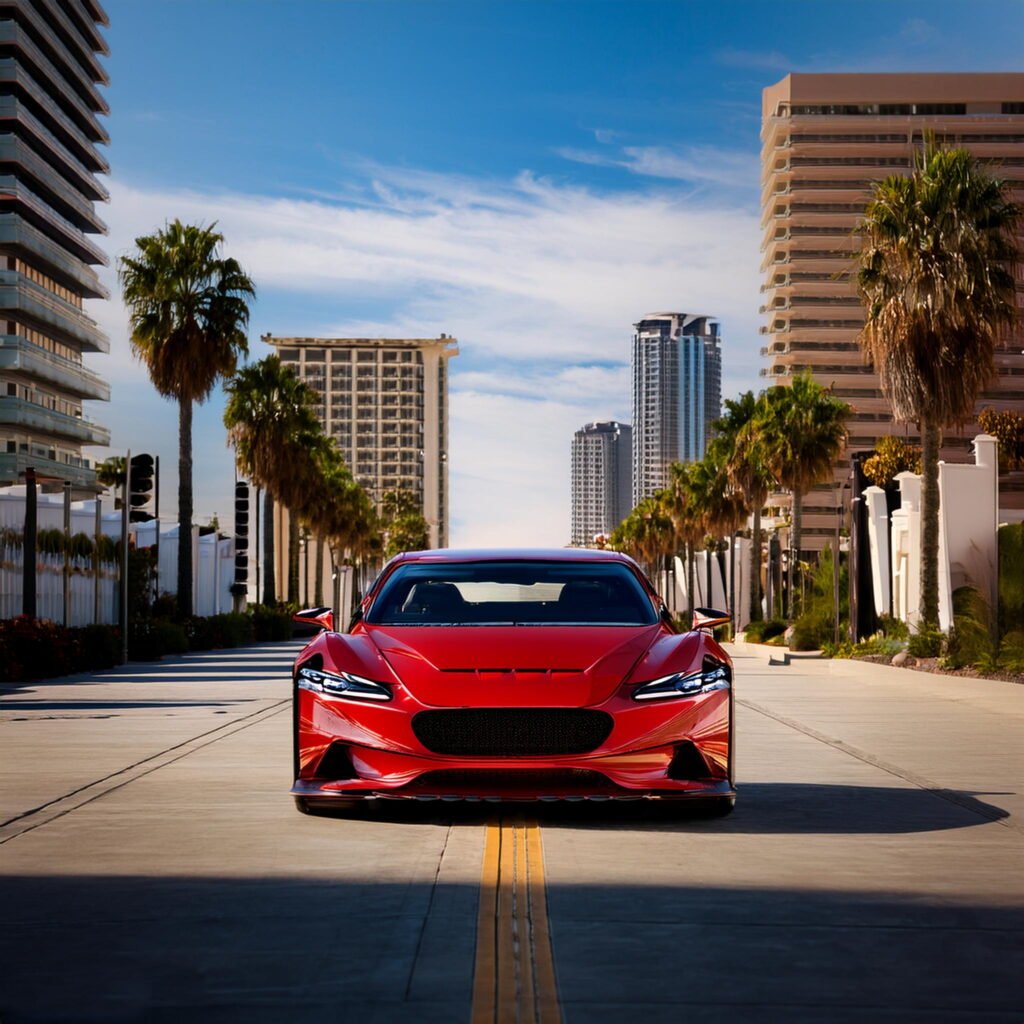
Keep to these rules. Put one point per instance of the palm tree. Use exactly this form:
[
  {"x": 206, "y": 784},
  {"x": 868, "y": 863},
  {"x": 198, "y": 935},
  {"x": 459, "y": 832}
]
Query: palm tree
[
  {"x": 188, "y": 312},
  {"x": 717, "y": 503},
  {"x": 647, "y": 533},
  {"x": 936, "y": 275},
  {"x": 269, "y": 417},
  {"x": 802, "y": 431},
  {"x": 739, "y": 441}
]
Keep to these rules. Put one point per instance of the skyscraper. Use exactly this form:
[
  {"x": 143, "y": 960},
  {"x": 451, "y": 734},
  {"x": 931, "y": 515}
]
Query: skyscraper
[
  {"x": 385, "y": 401},
  {"x": 677, "y": 394},
  {"x": 49, "y": 159},
  {"x": 601, "y": 479},
  {"x": 825, "y": 139}
]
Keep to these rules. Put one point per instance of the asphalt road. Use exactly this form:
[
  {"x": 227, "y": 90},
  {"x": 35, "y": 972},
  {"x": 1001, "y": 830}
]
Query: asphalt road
[{"x": 152, "y": 866}]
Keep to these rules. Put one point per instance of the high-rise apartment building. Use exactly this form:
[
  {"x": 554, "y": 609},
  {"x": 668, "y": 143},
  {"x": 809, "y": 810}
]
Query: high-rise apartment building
[
  {"x": 385, "y": 402},
  {"x": 677, "y": 394},
  {"x": 825, "y": 139},
  {"x": 602, "y": 479},
  {"x": 49, "y": 102}
]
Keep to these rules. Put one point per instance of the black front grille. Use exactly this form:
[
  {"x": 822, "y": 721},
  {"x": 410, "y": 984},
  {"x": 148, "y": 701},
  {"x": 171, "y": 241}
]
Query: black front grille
[
  {"x": 553, "y": 780},
  {"x": 512, "y": 732}
]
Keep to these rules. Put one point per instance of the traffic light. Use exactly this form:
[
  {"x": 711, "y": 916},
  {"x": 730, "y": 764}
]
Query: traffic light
[
  {"x": 140, "y": 487},
  {"x": 241, "y": 538}
]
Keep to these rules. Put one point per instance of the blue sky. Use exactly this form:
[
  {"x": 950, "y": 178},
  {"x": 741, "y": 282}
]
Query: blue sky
[{"x": 529, "y": 177}]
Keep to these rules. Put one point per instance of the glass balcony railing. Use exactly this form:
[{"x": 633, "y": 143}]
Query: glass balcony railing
[
  {"x": 42, "y": 176},
  {"x": 48, "y": 220},
  {"x": 14, "y": 464},
  {"x": 72, "y": 133},
  {"x": 23, "y": 356},
  {"x": 12, "y": 109},
  {"x": 18, "y": 234},
  {"x": 17, "y": 292},
  {"x": 18, "y": 412},
  {"x": 14, "y": 36}
]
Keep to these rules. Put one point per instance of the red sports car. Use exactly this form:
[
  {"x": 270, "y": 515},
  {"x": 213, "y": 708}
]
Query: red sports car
[{"x": 509, "y": 675}]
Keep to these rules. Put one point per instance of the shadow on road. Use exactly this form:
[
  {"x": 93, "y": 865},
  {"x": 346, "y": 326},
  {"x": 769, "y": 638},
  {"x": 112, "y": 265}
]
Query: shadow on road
[
  {"x": 763, "y": 808},
  {"x": 119, "y": 705},
  {"x": 352, "y": 947}
]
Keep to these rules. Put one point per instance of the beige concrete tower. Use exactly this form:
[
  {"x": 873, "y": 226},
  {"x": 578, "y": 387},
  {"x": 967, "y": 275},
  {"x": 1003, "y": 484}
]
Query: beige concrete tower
[
  {"x": 825, "y": 139},
  {"x": 385, "y": 401}
]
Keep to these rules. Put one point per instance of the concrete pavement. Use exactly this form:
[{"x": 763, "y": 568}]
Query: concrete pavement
[{"x": 152, "y": 866}]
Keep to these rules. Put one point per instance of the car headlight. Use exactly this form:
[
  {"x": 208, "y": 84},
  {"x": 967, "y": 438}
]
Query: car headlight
[
  {"x": 341, "y": 684},
  {"x": 713, "y": 676}
]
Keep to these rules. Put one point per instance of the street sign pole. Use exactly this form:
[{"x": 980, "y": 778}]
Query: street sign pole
[{"x": 67, "y": 553}]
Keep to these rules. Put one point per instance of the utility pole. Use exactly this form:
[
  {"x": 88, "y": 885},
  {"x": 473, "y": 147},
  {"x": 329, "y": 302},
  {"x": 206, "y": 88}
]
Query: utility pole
[
  {"x": 124, "y": 560},
  {"x": 156, "y": 526},
  {"x": 67, "y": 553},
  {"x": 28, "y": 547},
  {"x": 98, "y": 533}
]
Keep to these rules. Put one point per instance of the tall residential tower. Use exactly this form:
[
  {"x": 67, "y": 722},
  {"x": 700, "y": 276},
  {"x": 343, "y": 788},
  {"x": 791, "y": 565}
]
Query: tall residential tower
[
  {"x": 825, "y": 140},
  {"x": 602, "y": 455},
  {"x": 49, "y": 102},
  {"x": 385, "y": 401},
  {"x": 677, "y": 394}
]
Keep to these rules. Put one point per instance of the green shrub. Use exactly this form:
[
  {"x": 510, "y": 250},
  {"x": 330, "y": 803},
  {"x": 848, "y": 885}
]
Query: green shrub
[
  {"x": 761, "y": 631},
  {"x": 151, "y": 639},
  {"x": 970, "y": 639},
  {"x": 40, "y": 649},
  {"x": 812, "y": 631},
  {"x": 1011, "y": 578},
  {"x": 1011, "y": 651},
  {"x": 895, "y": 629},
  {"x": 271, "y": 624},
  {"x": 100, "y": 647},
  {"x": 926, "y": 642}
]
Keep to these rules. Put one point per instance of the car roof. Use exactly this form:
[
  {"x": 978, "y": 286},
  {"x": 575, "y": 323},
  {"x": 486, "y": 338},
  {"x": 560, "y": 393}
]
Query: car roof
[{"x": 513, "y": 555}]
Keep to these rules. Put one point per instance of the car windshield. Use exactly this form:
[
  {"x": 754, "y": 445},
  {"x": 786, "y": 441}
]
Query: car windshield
[{"x": 512, "y": 594}]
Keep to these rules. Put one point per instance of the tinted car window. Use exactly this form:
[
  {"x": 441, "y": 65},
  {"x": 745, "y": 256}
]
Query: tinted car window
[{"x": 512, "y": 593}]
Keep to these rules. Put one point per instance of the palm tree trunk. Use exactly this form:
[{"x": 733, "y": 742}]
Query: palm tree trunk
[
  {"x": 794, "y": 557},
  {"x": 293, "y": 558},
  {"x": 755, "y": 567},
  {"x": 184, "y": 602},
  {"x": 708, "y": 602},
  {"x": 269, "y": 573},
  {"x": 318, "y": 596},
  {"x": 930, "y": 524}
]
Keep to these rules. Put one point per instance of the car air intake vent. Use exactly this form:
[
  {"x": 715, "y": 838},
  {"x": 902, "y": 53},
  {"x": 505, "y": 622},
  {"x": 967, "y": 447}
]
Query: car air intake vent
[
  {"x": 688, "y": 763},
  {"x": 512, "y": 732},
  {"x": 336, "y": 764},
  {"x": 548, "y": 780}
]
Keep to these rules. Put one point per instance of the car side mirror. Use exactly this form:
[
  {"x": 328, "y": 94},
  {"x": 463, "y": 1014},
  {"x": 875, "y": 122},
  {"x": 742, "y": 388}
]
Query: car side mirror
[
  {"x": 708, "y": 618},
  {"x": 321, "y": 616}
]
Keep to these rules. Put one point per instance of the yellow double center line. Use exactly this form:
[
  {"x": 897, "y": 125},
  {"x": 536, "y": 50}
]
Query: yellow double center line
[{"x": 514, "y": 981}]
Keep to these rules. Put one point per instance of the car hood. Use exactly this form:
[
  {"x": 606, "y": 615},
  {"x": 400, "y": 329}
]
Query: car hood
[{"x": 512, "y": 666}]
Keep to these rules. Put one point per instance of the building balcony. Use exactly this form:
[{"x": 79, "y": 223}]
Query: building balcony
[
  {"x": 18, "y": 196},
  {"x": 21, "y": 356},
  {"x": 30, "y": 301},
  {"x": 16, "y": 412},
  {"x": 57, "y": 36},
  {"x": 85, "y": 102},
  {"x": 31, "y": 168},
  {"x": 50, "y": 472},
  {"x": 72, "y": 133},
  {"x": 19, "y": 235},
  {"x": 85, "y": 23},
  {"x": 14, "y": 113}
]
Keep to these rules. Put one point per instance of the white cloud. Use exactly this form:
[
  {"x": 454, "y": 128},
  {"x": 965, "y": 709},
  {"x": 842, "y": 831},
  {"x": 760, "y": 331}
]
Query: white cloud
[
  {"x": 703, "y": 165},
  {"x": 539, "y": 281}
]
